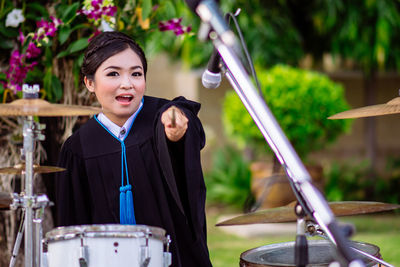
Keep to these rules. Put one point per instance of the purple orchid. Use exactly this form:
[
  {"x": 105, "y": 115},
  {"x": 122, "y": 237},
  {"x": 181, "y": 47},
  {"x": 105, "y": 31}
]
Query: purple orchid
[
  {"x": 32, "y": 51},
  {"x": 46, "y": 28},
  {"x": 174, "y": 25},
  {"x": 18, "y": 70},
  {"x": 18, "y": 65},
  {"x": 96, "y": 10}
]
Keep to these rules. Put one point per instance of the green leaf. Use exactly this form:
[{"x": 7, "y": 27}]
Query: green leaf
[
  {"x": 6, "y": 44},
  {"x": 47, "y": 83},
  {"x": 74, "y": 47},
  {"x": 37, "y": 7},
  {"x": 34, "y": 76},
  {"x": 56, "y": 87},
  {"x": 48, "y": 54},
  {"x": 78, "y": 45},
  {"x": 167, "y": 10},
  {"x": 146, "y": 9},
  {"x": 63, "y": 53},
  {"x": 70, "y": 12},
  {"x": 8, "y": 31},
  {"x": 64, "y": 32}
]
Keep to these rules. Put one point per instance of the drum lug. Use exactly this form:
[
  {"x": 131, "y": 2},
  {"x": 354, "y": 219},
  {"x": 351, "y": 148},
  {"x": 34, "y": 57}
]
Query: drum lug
[
  {"x": 167, "y": 254},
  {"x": 144, "y": 251},
  {"x": 82, "y": 254},
  {"x": 167, "y": 259}
]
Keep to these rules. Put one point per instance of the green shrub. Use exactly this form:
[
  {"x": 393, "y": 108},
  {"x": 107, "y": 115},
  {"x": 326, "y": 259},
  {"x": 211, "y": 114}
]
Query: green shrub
[
  {"x": 300, "y": 100},
  {"x": 228, "y": 182},
  {"x": 350, "y": 181},
  {"x": 346, "y": 181}
]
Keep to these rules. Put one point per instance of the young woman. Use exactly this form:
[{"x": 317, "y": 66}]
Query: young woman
[{"x": 137, "y": 162}]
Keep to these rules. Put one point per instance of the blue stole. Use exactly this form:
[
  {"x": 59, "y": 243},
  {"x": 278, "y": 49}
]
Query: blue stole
[{"x": 126, "y": 210}]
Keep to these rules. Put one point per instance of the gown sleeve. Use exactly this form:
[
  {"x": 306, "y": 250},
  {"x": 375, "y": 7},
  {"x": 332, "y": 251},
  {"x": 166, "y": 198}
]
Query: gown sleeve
[
  {"x": 181, "y": 164},
  {"x": 72, "y": 192}
]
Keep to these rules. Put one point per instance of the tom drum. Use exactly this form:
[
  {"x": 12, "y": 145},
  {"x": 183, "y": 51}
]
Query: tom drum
[{"x": 107, "y": 245}]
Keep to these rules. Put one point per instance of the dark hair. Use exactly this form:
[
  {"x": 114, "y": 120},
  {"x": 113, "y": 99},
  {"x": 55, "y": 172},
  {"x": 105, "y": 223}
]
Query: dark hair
[{"x": 105, "y": 45}]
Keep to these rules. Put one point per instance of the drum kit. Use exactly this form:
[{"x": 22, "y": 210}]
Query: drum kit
[
  {"x": 109, "y": 245},
  {"x": 320, "y": 252},
  {"x": 84, "y": 245}
]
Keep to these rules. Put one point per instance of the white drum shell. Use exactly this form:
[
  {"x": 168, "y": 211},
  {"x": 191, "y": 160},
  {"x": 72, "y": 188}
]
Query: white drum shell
[{"x": 106, "y": 245}]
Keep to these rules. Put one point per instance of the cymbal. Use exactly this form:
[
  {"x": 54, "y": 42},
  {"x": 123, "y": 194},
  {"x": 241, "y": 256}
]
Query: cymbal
[
  {"x": 19, "y": 168},
  {"x": 40, "y": 107},
  {"x": 391, "y": 107},
  {"x": 286, "y": 213},
  {"x": 5, "y": 200}
]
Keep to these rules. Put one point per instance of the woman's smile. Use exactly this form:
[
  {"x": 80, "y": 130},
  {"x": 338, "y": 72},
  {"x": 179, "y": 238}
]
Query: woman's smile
[{"x": 124, "y": 99}]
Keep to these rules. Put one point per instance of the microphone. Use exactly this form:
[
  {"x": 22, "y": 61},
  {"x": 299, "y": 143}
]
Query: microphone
[
  {"x": 211, "y": 77},
  {"x": 193, "y": 4}
]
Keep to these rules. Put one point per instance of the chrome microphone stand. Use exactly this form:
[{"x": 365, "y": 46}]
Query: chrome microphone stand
[{"x": 307, "y": 195}]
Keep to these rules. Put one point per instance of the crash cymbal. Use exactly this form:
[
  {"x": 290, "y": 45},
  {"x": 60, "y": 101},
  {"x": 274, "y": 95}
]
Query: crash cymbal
[
  {"x": 40, "y": 107},
  {"x": 5, "y": 200},
  {"x": 391, "y": 107},
  {"x": 19, "y": 168},
  {"x": 286, "y": 213}
]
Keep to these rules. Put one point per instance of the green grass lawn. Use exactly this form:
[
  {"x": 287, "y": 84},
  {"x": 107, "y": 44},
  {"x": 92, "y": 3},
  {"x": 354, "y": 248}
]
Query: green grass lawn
[{"x": 382, "y": 230}]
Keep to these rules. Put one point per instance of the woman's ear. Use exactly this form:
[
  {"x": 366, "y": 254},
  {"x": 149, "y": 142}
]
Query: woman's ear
[{"x": 89, "y": 84}]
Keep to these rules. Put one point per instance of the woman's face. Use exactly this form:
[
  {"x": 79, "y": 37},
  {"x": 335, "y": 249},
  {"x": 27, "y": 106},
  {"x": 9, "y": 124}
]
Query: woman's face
[{"x": 119, "y": 85}]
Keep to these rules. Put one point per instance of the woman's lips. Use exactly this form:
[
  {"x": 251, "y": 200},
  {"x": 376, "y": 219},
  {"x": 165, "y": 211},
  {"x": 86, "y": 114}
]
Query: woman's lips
[{"x": 124, "y": 98}]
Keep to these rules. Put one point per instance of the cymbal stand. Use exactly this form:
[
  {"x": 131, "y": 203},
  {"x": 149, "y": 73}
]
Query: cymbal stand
[
  {"x": 30, "y": 203},
  {"x": 301, "y": 246},
  {"x": 314, "y": 229},
  {"x": 38, "y": 204},
  {"x": 18, "y": 240}
]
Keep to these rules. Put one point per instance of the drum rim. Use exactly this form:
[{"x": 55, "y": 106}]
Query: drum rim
[
  {"x": 104, "y": 230},
  {"x": 291, "y": 244}
]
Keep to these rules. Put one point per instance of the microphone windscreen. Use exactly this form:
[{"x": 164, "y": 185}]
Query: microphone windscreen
[{"x": 211, "y": 80}]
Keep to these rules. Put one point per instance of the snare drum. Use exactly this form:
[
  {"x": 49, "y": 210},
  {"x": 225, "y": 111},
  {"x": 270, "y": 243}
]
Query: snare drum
[
  {"x": 107, "y": 245},
  {"x": 320, "y": 253}
]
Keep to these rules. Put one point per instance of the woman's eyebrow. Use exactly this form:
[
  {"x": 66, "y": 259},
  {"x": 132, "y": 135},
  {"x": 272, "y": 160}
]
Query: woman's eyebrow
[{"x": 118, "y": 68}]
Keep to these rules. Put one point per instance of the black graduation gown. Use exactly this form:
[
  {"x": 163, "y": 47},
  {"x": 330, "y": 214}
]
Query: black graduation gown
[{"x": 167, "y": 181}]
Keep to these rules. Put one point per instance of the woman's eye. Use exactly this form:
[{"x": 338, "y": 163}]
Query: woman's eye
[
  {"x": 137, "y": 74},
  {"x": 113, "y": 73}
]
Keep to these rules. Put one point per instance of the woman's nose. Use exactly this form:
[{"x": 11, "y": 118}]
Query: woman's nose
[{"x": 126, "y": 82}]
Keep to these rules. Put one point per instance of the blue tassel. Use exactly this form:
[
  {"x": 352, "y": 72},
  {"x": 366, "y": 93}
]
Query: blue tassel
[
  {"x": 122, "y": 205},
  {"x": 130, "y": 214}
]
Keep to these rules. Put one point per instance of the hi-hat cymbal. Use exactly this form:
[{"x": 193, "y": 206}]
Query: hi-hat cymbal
[
  {"x": 391, "y": 107},
  {"x": 40, "y": 107},
  {"x": 5, "y": 200},
  {"x": 286, "y": 213},
  {"x": 19, "y": 168}
]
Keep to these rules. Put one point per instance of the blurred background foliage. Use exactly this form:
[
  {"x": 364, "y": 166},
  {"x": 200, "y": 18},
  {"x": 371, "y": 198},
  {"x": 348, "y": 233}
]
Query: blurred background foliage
[
  {"x": 350, "y": 181},
  {"x": 228, "y": 182},
  {"x": 359, "y": 35},
  {"x": 300, "y": 100}
]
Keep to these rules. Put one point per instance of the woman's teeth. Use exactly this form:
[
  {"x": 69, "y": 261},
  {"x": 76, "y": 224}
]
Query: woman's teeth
[{"x": 124, "y": 98}]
